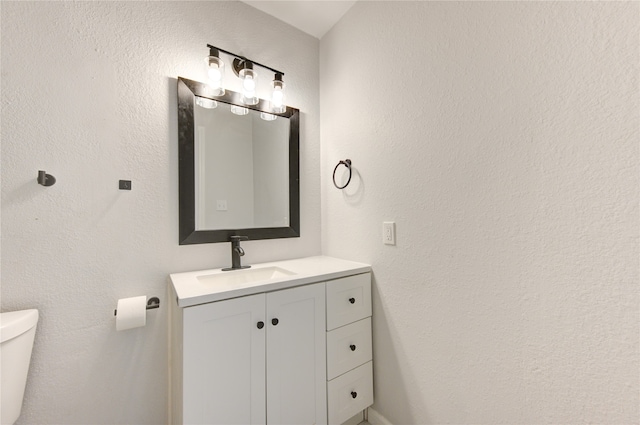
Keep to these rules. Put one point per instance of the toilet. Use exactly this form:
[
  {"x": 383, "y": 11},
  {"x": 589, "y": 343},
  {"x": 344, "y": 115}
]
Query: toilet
[{"x": 17, "y": 332}]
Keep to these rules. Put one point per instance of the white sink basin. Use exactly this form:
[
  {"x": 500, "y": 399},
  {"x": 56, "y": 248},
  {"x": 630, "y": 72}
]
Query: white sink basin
[
  {"x": 206, "y": 286},
  {"x": 244, "y": 276}
]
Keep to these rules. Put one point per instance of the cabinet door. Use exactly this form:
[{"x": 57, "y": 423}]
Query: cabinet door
[
  {"x": 224, "y": 362},
  {"x": 296, "y": 356}
]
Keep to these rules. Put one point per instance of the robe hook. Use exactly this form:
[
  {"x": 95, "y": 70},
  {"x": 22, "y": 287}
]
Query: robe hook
[{"x": 46, "y": 179}]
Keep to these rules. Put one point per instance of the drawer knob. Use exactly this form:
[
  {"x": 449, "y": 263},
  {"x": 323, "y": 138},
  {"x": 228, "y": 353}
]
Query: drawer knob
[
  {"x": 260, "y": 325},
  {"x": 354, "y": 394},
  {"x": 352, "y": 300},
  {"x": 274, "y": 321},
  {"x": 353, "y": 347}
]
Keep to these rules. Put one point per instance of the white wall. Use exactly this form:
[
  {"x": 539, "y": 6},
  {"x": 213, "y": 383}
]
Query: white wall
[
  {"x": 89, "y": 95},
  {"x": 502, "y": 137}
]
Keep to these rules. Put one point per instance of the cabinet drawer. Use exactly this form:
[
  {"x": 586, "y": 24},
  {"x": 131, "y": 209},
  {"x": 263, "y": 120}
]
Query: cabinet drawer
[
  {"x": 348, "y": 300},
  {"x": 348, "y": 347},
  {"x": 350, "y": 393}
]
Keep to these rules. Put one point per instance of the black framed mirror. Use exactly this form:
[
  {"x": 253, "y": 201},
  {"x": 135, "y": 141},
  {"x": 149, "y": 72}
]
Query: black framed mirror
[{"x": 239, "y": 172}]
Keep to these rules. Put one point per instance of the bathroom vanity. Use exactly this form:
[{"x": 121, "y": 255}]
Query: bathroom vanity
[{"x": 280, "y": 343}]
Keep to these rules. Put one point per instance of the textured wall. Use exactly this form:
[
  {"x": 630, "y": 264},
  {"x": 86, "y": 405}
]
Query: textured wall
[
  {"x": 89, "y": 95},
  {"x": 503, "y": 140}
]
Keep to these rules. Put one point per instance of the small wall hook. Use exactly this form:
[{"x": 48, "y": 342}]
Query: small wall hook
[{"x": 46, "y": 179}]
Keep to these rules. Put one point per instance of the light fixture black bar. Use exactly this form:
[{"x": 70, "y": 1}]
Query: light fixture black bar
[{"x": 245, "y": 59}]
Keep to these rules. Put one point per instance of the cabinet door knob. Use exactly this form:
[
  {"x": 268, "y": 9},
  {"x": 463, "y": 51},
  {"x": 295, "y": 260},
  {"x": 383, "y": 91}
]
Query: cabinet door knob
[
  {"x": 353, "y": 347},
  {"x": 274, "y": 321},
  {"x": 260, "y": 325},
  {"x": 354, "y": 394},
  {"x": 352, "y": 300}
]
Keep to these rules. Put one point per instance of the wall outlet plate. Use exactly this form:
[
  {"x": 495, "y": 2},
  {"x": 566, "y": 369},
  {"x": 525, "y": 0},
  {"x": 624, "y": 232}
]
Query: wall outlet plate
[
  {"x": 389, "y": 232},
  {"x": 221, "y": 205}
]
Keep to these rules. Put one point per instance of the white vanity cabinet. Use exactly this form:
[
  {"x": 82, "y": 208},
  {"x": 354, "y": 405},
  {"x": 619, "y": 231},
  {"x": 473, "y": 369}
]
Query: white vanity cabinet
[
  {"x": 349, "y": 348},
  {"x": 223, "y": 363},
  {"x": 256, "y": 358},
  {"x": 296, "y": 356},
  {"x": 297, "y": 352}
]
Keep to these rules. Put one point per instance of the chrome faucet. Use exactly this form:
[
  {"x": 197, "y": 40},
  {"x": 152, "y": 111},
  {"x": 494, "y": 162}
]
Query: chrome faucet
[{"x": 236, "y": 253}]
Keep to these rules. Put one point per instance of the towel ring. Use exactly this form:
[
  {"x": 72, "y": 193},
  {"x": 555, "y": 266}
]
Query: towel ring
[{"x": 347, "y": 163}]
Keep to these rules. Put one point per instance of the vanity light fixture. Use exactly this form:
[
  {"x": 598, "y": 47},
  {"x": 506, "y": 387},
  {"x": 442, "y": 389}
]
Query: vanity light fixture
[
  {"x": 215, "y": 71},
  {"x": 243, "y": 68}
]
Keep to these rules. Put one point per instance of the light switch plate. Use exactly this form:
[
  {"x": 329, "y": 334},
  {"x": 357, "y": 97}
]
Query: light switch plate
[{"x": 389, "y": 232}]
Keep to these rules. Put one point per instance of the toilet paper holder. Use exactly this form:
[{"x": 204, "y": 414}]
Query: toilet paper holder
[{"x": 153, "y": 302}]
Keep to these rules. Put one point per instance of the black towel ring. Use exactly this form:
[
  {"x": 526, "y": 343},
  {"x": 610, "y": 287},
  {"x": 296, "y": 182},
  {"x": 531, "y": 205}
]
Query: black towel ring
[{"x": 347, "y": 163}]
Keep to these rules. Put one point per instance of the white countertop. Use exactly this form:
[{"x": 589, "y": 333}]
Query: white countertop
[{"x": 191, "y": 291}]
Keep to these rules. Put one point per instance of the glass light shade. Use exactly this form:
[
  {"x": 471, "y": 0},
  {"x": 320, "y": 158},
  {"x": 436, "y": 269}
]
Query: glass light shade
[
  {"x": 277, "y": 98},
  {"x": 215, "y": 71},
  {"x": 267, "y": 117},
  {"x": 249, "y": 78},
  {"x": 206, "y": 103},
  {"x": 239, "y": 110}
]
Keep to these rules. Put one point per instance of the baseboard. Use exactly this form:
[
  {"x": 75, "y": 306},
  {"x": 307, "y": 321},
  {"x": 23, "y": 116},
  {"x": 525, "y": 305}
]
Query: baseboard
[
  {"x": 375, "y": 418},
  {"x": 355, "y": 420}
]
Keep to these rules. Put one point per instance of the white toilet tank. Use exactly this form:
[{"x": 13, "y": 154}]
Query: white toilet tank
[{"x": 17, "y": 331}]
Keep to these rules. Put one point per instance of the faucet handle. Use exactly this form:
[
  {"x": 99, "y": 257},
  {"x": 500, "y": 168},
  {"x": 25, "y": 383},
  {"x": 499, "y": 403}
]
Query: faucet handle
[{"x": 238, "y": 238}]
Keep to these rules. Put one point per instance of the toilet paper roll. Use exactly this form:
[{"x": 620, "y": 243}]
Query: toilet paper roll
[{"x": 131, "y": 313}]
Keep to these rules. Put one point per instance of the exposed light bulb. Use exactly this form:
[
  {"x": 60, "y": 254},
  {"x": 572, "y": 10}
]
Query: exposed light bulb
[
  {"x": 215, "y": 75},
  {"x": 277, "y": 96},
  {"x": 249, "y": 84}
]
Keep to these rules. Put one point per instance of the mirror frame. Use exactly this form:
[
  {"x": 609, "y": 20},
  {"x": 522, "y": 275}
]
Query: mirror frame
[{"x": 187, "y": 90}]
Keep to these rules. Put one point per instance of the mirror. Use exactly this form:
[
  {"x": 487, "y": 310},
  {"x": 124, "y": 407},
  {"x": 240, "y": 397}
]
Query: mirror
[{"x": 239, "y": 174}]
